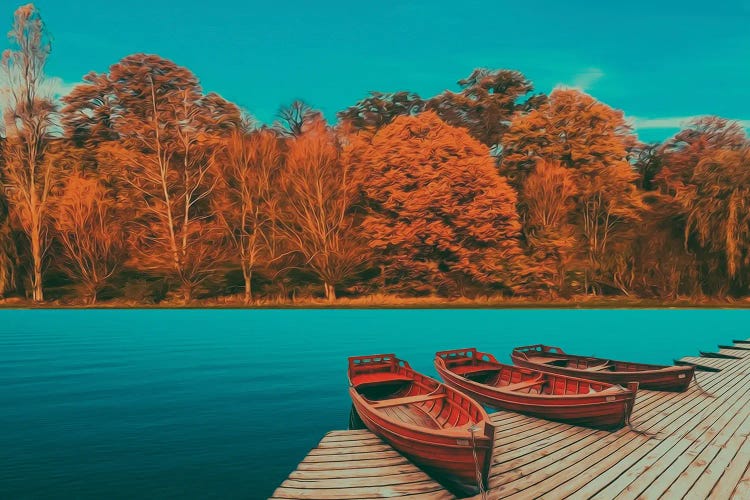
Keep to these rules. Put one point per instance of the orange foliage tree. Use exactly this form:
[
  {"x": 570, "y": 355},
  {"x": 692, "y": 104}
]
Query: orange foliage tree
[
  {"x": 591, "y": 140},
  {"x": 437, "y": 212},
  {"x": 165, "y": 128},
  {"x": 486, "y": 103},
  {"x": 718, "y": 210},
  {"x": 379, "y": 109},
  {"x": 90, "y": 234},
  {"x": 702, "y": 137},
  {"x": 249, "y": 163},
  {"x": 549, "y": 195},
  {"x": 316, "y": 192},
  {"x": 703, "y": 184}
]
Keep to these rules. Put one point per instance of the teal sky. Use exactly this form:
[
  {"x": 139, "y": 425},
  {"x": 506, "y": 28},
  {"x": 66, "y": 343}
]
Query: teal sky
[{"x": 661, "y": 62}]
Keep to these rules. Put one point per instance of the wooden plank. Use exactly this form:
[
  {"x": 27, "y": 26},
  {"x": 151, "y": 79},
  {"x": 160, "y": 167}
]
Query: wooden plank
[
  {"x": 407, "y": 467},
  {"x": 734, "y": 347},
  {"x": 435, "y": 495},
  {"x": 712, "y": 361},
  {"x": 327, "y": 443},
  {"x": 344, "y": 457},
  {"x": 362, "y": 449},
  {"x": 360, "y": 432},
  {"x": 361, "y": 463},
  {"x": 400, "y": 490},
  {"x": 349, "y": 436},
  {"x": 705, "y": 354},
  {"x": 743, "y": 487},
  {"x": 730, "y": 350},
  {"x": 416, "y": 476},
  {"x": 703, "y": 367}
]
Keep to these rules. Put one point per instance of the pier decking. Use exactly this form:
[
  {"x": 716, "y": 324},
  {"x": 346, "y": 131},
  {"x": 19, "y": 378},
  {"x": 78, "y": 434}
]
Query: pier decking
[{"x": 700, "y": 449}]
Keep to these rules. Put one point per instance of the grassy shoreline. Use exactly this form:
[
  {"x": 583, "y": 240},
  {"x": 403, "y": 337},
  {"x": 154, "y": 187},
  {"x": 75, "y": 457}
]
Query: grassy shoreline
[{"x": 394, "y": 302}]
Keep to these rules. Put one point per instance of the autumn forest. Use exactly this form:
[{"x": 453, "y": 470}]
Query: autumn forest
[{"x": 137, "y": 187}]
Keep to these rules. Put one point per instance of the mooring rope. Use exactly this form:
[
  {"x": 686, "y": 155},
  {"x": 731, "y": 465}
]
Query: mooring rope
[
  {"x": 639, "y": 431},
  {"x": 701, "y": 389},
  {"x": 477, "y": 469}
]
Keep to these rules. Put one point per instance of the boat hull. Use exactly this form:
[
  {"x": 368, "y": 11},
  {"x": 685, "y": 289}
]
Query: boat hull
[
  {"x": 606, "y": 411},
  {"x": 449, "y": 457},
  {"x": 668, "y": 378}
]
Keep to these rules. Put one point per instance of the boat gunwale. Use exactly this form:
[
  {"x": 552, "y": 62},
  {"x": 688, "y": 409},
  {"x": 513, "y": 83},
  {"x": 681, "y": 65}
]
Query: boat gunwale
[{"x": 616, "y": 390}]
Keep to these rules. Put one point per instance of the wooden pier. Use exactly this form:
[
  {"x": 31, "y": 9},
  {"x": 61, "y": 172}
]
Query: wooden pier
[{"x": 697, "y": 447}]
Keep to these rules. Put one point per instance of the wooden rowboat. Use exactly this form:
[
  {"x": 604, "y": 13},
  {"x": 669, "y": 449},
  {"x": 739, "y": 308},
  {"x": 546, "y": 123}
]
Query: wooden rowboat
[
  {"x": 536, "y": 393},
  {"x": 434, "y": 426},
  {"x": 554, "y": 360}
]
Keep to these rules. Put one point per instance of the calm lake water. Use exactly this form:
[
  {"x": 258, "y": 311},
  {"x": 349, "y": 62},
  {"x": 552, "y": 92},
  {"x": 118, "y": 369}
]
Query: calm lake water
[{"x": 224, "y": 403}]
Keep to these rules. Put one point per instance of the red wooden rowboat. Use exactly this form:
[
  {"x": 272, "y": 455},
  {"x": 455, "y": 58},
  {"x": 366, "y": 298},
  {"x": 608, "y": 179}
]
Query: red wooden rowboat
[
  {"x": 431, "y": 424},
  {"x": 554, "y": 360},
  {"x": 540, "y": 394}
]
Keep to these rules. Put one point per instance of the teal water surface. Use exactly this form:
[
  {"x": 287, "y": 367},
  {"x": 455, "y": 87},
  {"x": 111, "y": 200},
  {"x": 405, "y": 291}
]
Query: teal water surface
[{"x": 225, "y": 403}]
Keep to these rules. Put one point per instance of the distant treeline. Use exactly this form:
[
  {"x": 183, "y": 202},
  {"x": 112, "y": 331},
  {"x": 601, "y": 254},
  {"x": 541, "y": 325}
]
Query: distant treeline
[{"x": 140, "y": 186}]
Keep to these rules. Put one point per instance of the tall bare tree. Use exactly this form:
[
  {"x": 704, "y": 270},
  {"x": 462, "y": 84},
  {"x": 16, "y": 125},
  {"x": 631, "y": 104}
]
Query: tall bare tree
[
  {"x": 159, "y": 129},
  {"x": 30, "y": 169},
  {"x": 249, "y": 162}
]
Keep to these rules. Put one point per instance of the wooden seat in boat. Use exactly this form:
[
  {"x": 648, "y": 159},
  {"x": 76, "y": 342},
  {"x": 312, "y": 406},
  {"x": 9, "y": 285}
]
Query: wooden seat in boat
[
  {"x": 407, "y": 400},
  {"x": 524, "y": 384}
]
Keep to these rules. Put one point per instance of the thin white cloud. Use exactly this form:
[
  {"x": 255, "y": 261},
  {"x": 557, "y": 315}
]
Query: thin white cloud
[
  {"x": 584, "y": 80},
  {"x": 670, "y": 122},
  {"x": 58, "y": 88},
  {"x": 52, "y": 88},
  {"x": 588, "y": 78}
]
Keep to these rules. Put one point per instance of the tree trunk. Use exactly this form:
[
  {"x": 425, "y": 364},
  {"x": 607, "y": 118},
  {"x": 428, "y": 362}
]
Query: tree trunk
[
  {"x": 248, "y": 274},
  {"x": 585, "y": 282},
  {"x": 330, "y": 292},
  {"x": 36, "y": 253}
]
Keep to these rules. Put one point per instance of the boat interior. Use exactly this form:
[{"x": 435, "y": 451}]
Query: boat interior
[
  {"x": 390, "y": 386},
  {"x": 484, "y": 369}
]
